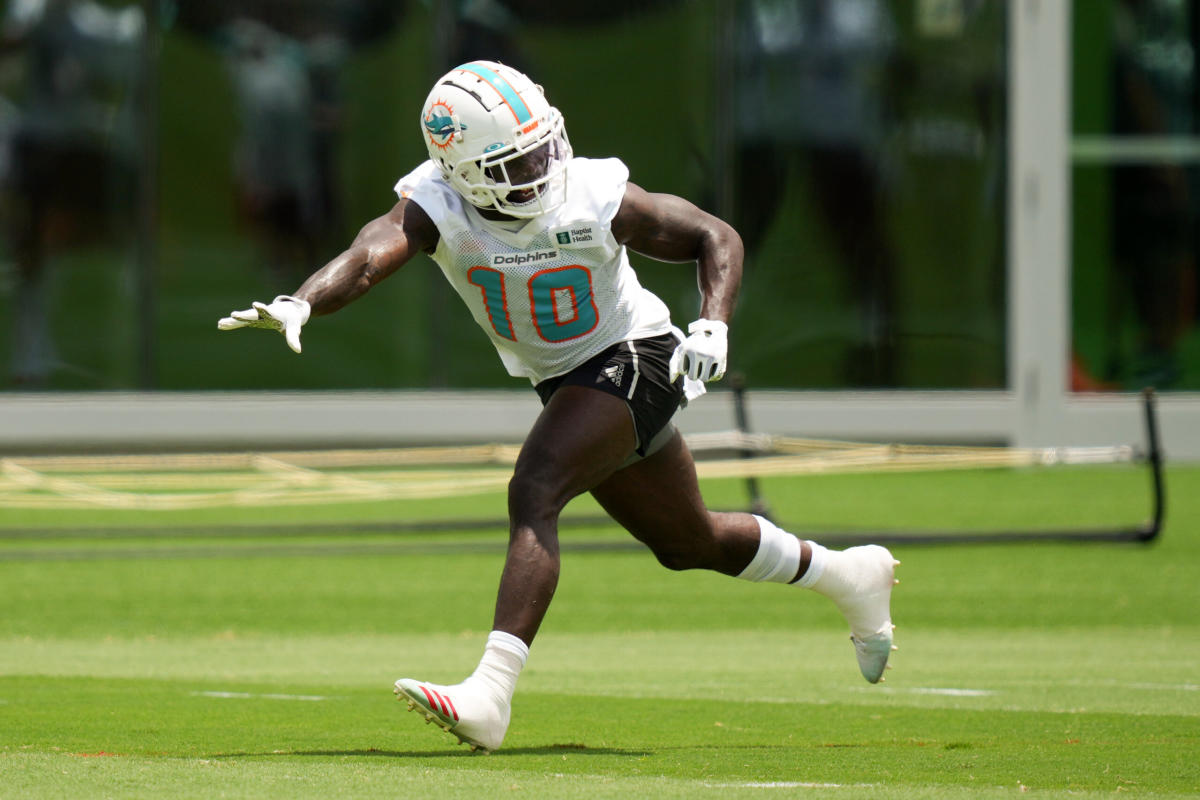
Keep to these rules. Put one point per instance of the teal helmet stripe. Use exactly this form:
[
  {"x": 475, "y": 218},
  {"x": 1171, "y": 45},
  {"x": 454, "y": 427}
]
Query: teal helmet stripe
[{"x": 507, "y": 92}]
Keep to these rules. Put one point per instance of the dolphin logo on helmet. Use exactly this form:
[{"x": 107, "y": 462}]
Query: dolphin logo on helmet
[{"x": 440, "y": 122}]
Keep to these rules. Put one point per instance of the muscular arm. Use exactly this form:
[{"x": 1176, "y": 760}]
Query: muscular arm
[
  {"x": 383, "y": 246},
  {"x": 669, "y": 228}
]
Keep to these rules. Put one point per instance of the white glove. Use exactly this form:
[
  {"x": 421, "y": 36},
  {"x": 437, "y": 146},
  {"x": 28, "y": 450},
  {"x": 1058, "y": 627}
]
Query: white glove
[
  {"x": 287, "y": 314},
  {"x": 703, "y": 354}
]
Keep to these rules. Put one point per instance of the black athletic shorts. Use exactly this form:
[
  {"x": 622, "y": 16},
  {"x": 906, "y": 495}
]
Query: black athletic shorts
[{"x": 639, "y": 373}]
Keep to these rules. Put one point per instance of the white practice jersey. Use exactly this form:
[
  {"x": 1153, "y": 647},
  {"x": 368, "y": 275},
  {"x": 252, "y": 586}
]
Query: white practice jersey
[{"x": 553, "y": 291}]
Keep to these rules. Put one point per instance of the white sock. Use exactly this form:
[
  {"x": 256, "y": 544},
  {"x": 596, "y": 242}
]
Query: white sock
[
  {"x": 503, "y": 658},
  {"x": 778, "y": 556},
  {"x": 816, "y": 565},
  {"x": 837, "y": 577}
]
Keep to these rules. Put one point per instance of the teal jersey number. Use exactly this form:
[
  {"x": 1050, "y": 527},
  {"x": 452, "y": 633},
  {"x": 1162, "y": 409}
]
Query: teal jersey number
[
  {"x": 491, "y": 281},
  {"x": 560, "y": 302}
]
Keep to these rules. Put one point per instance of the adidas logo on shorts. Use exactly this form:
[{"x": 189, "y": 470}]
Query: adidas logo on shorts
[{"x": 615, "y": 373}]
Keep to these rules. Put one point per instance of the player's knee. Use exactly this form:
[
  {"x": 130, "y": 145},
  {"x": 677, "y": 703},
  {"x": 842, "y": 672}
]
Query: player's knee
[
  {"x": 534, "y": 494},
  {"x": 678, "y": 560}
]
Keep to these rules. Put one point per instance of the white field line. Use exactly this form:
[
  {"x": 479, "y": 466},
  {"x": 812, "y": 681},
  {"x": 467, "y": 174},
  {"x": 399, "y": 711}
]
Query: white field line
[
  {"x": 787, "y": 785},
  {"x": 949, "y": 692},
  {"x": 926, "y": 690},
  {"x": 252, "y": 696},
  {"x": 1111, "y": 684}
]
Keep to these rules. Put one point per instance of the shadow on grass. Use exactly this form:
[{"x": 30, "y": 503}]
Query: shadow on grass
[{"x": 461, "y": 752}]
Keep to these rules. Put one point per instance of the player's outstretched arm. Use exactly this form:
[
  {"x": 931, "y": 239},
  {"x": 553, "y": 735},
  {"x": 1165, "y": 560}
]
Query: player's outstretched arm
[
  {"x": 669, "y": 228},
  {"x": 383, "y": 246}
]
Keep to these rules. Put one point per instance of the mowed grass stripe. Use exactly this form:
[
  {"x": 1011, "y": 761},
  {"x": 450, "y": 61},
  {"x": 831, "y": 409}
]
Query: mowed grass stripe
[
  {"x": 720, "y": 741},
  {"x": 369, "y": 778},
  {"x": 1064, "y": 671},
  {"x": 290, "y": 548}
]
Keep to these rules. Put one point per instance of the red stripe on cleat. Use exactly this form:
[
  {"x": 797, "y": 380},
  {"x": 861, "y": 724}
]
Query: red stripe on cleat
[
  {"x": 442, "y": 700},
  {"x": 453, "y": 710},
  {"x": 429, "y": 697}
]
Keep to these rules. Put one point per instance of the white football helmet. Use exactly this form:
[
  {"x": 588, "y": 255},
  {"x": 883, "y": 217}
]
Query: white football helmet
[{"x": 497, "y": 140}]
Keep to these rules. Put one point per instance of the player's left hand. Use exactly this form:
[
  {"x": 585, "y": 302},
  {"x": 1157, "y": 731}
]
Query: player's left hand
[{"x": 703, "y": 354}]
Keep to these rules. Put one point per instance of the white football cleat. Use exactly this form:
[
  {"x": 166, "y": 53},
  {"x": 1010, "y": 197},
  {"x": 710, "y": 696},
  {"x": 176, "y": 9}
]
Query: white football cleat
[
  {"x": 464, "y": 710},
  {"x": 860, "y": 585}
]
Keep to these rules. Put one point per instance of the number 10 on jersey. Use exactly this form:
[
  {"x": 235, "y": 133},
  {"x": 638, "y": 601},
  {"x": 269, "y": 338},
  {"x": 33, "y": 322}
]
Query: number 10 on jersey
[{"x": 560, "y": 302}]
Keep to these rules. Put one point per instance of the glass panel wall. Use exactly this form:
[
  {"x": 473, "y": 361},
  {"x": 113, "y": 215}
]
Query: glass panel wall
[
  {"x": 164, "y": 163},
  {"x": 1136, "y": 176},
  {"x": 72, "y": 99},
  {"x": 869, "y": 184}
]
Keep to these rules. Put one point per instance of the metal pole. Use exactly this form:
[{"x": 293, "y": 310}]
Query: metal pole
[
  {"x": 737, "y": 382},
  {"x": 147, "y": 206}
]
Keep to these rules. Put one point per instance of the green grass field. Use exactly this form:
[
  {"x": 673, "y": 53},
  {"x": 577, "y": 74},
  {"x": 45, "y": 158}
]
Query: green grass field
[{"x": 196, "y": 664}]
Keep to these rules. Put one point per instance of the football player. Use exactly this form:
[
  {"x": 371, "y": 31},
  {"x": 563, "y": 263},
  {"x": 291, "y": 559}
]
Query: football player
[{"x": 535, "y": 241}]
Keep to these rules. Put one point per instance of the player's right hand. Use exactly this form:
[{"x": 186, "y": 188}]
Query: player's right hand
[
  {"x": 285, "y": 313},
  {"x": 702, "y": 355}
]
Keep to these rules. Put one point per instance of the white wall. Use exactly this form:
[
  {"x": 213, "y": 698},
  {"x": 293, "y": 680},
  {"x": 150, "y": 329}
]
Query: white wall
[{"x": 195, "y": 421}]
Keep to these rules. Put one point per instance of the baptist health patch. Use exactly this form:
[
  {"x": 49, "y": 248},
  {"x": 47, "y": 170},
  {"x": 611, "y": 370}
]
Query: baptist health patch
[{"x": 581, "y": 234}]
